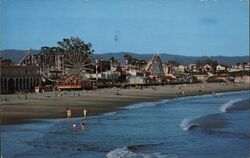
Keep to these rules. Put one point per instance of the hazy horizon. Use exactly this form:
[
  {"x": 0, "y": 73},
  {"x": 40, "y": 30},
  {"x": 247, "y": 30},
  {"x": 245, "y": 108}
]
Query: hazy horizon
[
  {"x": 145, "y": 53},
  {"x": 189, "y": 28}
]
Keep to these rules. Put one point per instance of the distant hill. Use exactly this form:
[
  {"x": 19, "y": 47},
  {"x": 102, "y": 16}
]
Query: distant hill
[
  {"x": 17, "y": 55},
  {"x": 225, "y": 60}
]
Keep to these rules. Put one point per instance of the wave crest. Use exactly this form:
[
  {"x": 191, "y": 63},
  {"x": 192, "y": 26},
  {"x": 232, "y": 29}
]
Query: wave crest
[
  {"x": 129, "y": 152},
  {"x": 139, "y": 105},
  {"x": 228, "y": 105},
  {"x": 204, "y": 122},
  {"x": 187, "y": 124}
]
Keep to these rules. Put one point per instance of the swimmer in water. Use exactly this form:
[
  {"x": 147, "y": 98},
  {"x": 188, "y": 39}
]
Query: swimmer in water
[{"x": 74, "y": 127}]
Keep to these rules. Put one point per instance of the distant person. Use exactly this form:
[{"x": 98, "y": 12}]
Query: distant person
[
  {"x": 85, "y": 112},
  {"x": 69, "y": 113},
  {"x": 213, "y": 93},
  {"x": 74, "y": 127},
  {"x": 117, "y": 93},
  {"x": 182, "y": 92},
  {"x": 83, "y": 125}
]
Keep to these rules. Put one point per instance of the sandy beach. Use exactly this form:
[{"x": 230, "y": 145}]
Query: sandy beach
[{"x": 17, "y": 109}]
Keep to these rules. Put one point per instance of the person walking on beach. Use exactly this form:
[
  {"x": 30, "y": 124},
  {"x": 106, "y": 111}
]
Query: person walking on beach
[
  {"x": 85, "y": 112},
  {"x": 69, "y": 113}
]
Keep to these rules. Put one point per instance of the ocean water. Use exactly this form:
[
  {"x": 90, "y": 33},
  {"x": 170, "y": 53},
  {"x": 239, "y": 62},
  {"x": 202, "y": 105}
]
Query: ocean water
[{"x": 213, "y": 126}]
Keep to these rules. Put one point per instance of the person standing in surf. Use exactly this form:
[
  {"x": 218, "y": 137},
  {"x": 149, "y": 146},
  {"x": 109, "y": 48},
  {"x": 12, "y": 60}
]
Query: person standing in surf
[
  {"x": 85, "y": 112},
  {"x": 83, "y": 125},
  {"x": 69, "y": 113}
]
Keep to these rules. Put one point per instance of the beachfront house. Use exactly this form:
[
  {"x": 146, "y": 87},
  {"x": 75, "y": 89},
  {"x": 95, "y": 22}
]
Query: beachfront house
[
  {"x": 180, "y": 69},
  {"x": 207, "y": 68},
  {"x": 246, "y": 67},
  {"x": 133, "y": 71},
  {"x": 167, "y": 68},
  {"x": 235, "y": 68},
  {"x": 107, "y": 75},
  {"x": 192, "y": 68},
  {"x": 220, "y": 68},
  {"x": 239, "y": 67}
]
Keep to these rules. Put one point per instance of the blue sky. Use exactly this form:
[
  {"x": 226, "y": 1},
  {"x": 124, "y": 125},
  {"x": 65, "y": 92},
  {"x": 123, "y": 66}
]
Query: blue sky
[{"x": 184, "y": 27}]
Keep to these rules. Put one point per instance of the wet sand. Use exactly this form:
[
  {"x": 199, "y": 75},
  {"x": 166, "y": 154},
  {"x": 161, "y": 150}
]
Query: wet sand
[{"x": 48, "y": 105}]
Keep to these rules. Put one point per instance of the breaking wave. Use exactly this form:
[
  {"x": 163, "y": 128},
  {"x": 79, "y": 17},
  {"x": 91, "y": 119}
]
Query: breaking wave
[
  {"x": 235, "y": 105},
  {"x": 133, "y": 151},
  {"x": 205, "y": 122},
  {"x": 187, "y": 124}
]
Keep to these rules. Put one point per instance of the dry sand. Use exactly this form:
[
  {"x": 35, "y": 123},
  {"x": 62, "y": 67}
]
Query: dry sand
[{"x": 47, "y": 105}]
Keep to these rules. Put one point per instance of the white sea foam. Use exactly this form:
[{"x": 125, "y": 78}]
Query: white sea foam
[
  {"x": 187, "y": 124},
  {"x": 229, "y": 104},
  {"x": 125, "y": 153},
  {"x": 163, "y": 101},
  {"x": 184, "y": 124},
  {"x": 139, "y": 105},
  {"x": 109, "y": 114},
  {"x": 120, "y": 152},
  {"x": 144, "y": 104}
]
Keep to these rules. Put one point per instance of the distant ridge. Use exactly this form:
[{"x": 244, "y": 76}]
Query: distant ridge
[{"x": 17, "y": 55}]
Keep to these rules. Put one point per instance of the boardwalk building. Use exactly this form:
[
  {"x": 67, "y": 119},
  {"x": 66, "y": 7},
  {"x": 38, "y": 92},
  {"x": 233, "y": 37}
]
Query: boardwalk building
[{"x": 15, "y": 78}]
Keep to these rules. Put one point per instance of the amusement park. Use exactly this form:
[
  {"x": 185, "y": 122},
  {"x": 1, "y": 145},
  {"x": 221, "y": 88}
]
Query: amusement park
[{"x": 73, "y": 65}]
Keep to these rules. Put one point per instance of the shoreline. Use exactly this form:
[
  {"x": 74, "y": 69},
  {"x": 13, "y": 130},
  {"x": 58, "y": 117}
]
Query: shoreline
[{"x": 97, "y": 102}]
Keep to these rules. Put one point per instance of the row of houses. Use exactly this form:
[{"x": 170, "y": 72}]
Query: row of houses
[
  {"x": 153, "y": 72},
  {"x": 194, "y": 68},
  {"x": 157, "y": 72}
]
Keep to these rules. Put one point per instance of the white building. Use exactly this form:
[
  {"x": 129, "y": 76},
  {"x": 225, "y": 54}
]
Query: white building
[
  {"x": 235, "y": 68},
  {"x": 207, "y": 68},
  {"x": 137, "y": 80},
  {"x": 108, "y": 75},
  {"x": 220, "y": 68},
  {"x": 133, "y": 72},
  {"x": 167, "y": 68},
  {"x": 192, "y": 68}
]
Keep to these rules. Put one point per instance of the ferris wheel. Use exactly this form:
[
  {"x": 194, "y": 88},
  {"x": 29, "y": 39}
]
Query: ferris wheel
[{"x": 78, "y": 62}]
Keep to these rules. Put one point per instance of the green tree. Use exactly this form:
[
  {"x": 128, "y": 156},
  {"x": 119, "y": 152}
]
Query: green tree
[
  {"x": 134, "y": 61},
  {"x": 77, "y": 55},
  {"x": 48, "y": 55},
  {"x": 75, "y": 44}
]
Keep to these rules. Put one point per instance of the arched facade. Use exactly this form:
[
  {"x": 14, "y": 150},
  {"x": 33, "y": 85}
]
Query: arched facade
[{"x": 15, "y": 78}]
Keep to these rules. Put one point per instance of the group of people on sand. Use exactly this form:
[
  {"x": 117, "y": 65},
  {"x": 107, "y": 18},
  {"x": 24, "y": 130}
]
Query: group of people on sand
[{"x": 83, "y": 122}]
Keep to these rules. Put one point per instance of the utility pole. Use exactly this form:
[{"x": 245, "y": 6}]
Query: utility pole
[
  {"x": 96, "y": 71},
  {"x": 126, "y": 70}
]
